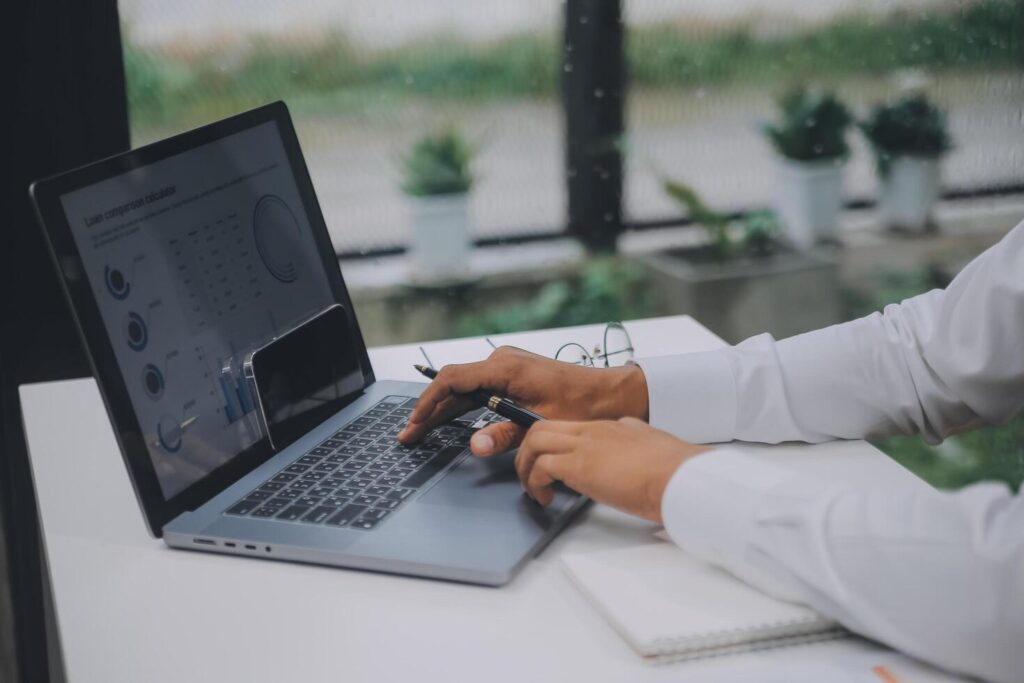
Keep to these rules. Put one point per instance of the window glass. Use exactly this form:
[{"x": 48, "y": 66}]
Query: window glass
[{"x": 365, "y": 80}]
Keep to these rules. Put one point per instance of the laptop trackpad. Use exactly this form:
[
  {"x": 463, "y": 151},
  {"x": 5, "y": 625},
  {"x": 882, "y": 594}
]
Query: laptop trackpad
[{"x": 489, "y": 484}]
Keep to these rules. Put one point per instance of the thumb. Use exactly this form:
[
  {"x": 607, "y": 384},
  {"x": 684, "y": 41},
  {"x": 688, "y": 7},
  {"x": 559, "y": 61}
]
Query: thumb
[{"x": 496, "y": 438}]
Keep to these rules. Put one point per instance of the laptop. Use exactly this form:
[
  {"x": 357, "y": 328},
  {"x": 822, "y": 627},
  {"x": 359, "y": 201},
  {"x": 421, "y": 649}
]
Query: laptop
[{"x": 180, "y": 259}]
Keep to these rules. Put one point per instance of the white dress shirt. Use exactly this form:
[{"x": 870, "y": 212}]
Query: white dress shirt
[{"x": 937, "y": 575}]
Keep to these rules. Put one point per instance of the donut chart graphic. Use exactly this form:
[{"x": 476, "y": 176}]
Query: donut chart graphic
[
  {"x": 278, "y": 238},
  {"x": 135, "y": 331},
  {"x": 153, "y": 381},
  {"x": 168, "y": 432},
  {"x": 117, "y": 284}
]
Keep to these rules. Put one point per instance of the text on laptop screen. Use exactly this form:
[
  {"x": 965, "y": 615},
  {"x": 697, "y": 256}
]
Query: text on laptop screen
[{"x": 194, "y": 261}]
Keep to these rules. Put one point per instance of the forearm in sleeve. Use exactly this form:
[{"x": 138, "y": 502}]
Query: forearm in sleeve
[
  {"x": 936, "y": 364},
  {"x": 936, "y": 575}
]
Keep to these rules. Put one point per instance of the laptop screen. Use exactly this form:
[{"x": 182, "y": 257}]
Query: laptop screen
[{"x": 194, "y": 261}]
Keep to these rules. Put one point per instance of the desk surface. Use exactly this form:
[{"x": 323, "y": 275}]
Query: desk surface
[{"x": 131, "y": 609}]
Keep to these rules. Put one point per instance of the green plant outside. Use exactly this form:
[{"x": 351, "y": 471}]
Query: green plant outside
[
  {"x": 909, "y": 127},
  {"x": 331, "y": 76},
  {"x": 438, "y": 165},
  {"x": 606, "y": 290},
  {"x": 812, "y": 126},
  {"x": 759, "y": 228}
]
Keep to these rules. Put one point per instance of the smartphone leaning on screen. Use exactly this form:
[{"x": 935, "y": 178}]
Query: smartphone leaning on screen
[{"x": 305, "y": 376}]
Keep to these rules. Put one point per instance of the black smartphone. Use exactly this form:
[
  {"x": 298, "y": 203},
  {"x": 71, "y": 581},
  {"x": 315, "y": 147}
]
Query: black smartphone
[{"x": 305, "y": 376}]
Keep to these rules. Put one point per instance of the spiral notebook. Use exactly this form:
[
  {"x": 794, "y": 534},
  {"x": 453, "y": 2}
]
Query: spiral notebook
[{"x": 671, "y": 607}]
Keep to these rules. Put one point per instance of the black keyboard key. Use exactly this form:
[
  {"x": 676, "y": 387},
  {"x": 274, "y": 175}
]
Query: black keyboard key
[
  {"x": 276, "y": 503},
  {"x": 387, "y": 503},
  {"x": 337, "y": 501},
  {"x": 309, "y": 501},
  {"x": 349, "y": 450},
  {"x": 439, "y": 462},
  {"x": 259, "y": 495},
  {"x": 364, "y": 421},
  {"x": 283, "y": 478},
  {"x": 308, "y": 460},
  {"x": 349, "y": 491},
  {"x": 377, "y": 448},
  {"x": 337, "y": 459},
  {"x": 321, "y": 491},
  {"x": 399, "y": 494},
  {"x": 272, "y": 486},
  {"x": 243, "y": 507},
  {"x": 352, "y": 466},
  {"x": 346, "y": 515},
  {"x": 402, "y": 412},
  {"x": 320, "y": 450},
  {"x": 327, "y": 467},
  {"x": 376, "y": 412},
  {"x": 313, "y": 475},
  {"x": 389, "y": 480},
  {"x": 293, "y": 512},
  {"x": 410, "y": 403},
  {"x": 296, "y": 468},
  {"x": 334, "y": 481},
  {"x": 375, "y": 514},
  {"x": 403, "y": 471},
  {"x": 318, "y": 514},
  {"x": 290, "y": 493},
  {"x": 365, "y": 499},
  {"x": 377, "y": 469},
  {"x": 265, "y": 512},
  {"x": 361, "y": 482},
  {"x": 392, "y": 419},
  {"x": 377, "y": 490},
  {"x": 359, "y": 441},
  {"x": 349, "y": 431},
  {"x": 302, "y": 485}
]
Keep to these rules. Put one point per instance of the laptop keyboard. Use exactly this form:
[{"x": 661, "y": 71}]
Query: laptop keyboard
[{"x": 361, "y": 475}]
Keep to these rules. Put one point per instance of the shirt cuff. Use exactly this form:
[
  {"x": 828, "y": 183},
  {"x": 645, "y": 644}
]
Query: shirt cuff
[
  {"x": 692, "y": 396},
  {"x": 710, "y": 506}
]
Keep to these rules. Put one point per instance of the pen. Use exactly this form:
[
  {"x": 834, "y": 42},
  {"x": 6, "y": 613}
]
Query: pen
[{"x": 505, "y": 407}]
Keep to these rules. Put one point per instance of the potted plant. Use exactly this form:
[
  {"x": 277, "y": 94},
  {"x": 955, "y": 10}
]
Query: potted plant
[
  {"x": 739, "y": 278},
  {"x": 810, "y": 141},
  {"x": 909, "y": 137},
  {"x": 437, "y": 180}
]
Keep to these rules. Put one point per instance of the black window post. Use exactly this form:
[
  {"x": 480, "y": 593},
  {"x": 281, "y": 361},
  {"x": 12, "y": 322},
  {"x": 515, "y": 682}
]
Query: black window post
[
  {"x": 63, "y": 86},
  {"x": 593, "y": 94}
]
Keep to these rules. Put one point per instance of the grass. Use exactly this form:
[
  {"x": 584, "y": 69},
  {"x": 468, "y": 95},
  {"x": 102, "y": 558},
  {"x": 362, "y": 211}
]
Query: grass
[{"x": 332, "y": 75}]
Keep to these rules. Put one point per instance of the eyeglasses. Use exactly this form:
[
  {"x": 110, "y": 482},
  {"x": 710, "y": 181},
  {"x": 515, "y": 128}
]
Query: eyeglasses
[{"x": 616, "y": 349}]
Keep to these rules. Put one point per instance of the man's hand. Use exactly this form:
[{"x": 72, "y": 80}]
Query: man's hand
[
  {"x": 555, "y": 389},
  {"x": 625, "y": 463}
]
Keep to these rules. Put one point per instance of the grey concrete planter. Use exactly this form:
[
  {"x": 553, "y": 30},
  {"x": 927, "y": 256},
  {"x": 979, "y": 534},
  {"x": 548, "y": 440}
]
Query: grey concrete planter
[{"x": 785, "y": 293}]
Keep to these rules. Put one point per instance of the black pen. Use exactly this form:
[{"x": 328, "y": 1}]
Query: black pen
[{"x": 505, "y": 407}]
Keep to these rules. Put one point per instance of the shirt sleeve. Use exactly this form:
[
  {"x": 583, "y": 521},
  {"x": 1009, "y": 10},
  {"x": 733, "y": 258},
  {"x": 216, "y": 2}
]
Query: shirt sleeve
[
  {"x": 936, "y": 364},
  {"x": 939, "y": 576}
]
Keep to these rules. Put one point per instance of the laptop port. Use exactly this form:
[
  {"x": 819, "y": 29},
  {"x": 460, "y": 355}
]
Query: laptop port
[
  {"x": 250, "y": 547},
  {"x": 204, "y": 541}
]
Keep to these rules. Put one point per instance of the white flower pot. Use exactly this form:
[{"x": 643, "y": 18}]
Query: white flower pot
[
  {"x": 808, "y": 198},
  {"x": 440, "y": 242},
  {"x": 908, "y": 192}
]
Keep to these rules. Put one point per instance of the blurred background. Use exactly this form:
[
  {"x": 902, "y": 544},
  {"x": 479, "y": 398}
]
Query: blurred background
[{"x": 492, "y": 166}]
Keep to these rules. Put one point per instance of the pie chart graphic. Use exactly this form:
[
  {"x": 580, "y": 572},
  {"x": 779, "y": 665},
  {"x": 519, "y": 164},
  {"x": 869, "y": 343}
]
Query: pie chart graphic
[
  {"x": 168, "y": 432},
  {"x": 117, "y": 284},
  {"x": 278, "y": 238},
  {"x": 153, "y": 381},
  {"x": 135, "y": 331}
]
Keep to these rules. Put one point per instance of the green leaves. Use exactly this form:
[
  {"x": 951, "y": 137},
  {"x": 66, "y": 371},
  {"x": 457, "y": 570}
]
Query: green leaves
[
  {"x": 909, "y": 126},
  {"x": 438, "y": 165},
  {"x": 812, "y": 126}
]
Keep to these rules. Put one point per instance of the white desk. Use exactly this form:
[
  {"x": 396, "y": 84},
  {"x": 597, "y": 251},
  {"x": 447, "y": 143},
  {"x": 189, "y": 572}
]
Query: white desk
[{"x": 131, "y": 609}]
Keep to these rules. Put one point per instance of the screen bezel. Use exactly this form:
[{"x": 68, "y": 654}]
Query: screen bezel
[{"x": 46, "y": 195}]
